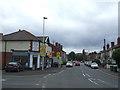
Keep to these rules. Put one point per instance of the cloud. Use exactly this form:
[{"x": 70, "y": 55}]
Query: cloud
[{"x": 76, "y": 24}]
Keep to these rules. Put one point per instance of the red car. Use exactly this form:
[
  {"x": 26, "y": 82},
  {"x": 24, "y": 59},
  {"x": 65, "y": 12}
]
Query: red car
[{"x": 77, "y": 64}]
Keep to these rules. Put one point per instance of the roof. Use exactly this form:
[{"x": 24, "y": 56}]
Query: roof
[
  {"x": 21, "y": 35},
  {"x": 46, "y": 39},
  {"x": 41, "y": 38}
]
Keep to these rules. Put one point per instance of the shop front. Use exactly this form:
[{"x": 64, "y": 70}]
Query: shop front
[{"x": 34, "y": 61}]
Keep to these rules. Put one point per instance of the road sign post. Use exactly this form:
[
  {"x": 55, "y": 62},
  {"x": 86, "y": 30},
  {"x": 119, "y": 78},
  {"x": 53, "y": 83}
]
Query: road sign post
[
  {"x": 58, "y": 58},
  {"x": 43, "y": 54}
]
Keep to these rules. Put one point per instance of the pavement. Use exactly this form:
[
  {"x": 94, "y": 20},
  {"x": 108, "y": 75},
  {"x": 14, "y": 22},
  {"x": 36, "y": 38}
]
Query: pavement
[
  {"x": 34, "y": 72},
  {"x": 108, "y": 71}
]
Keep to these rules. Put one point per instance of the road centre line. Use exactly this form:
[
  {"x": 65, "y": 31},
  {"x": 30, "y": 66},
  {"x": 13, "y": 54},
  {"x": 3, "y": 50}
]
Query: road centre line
[
  {"x": 88, "y": 75},
  {"x": 83, "y": 74},
  {"x": 37, "y": 84},
  {"x": 45, "y": 77},
  {"x": 93, "y": 82},
  {"x": 100, "y": 80},
  {"x": 108, "y": 74}
]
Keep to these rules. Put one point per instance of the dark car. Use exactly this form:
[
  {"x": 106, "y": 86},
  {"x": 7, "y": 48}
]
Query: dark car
[
  {"x": 14, "y": 66},
  {"x": 55, "y": 64}
]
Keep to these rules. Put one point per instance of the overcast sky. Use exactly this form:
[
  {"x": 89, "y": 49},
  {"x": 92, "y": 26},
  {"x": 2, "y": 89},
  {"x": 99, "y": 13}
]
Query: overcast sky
[{"x": 76, "y": 24}]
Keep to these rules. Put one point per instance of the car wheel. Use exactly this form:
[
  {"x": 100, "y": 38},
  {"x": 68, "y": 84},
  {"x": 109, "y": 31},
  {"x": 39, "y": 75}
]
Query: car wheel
[
  {"x": 18, "y": 70},
  {"x": 6, "y": 70}
]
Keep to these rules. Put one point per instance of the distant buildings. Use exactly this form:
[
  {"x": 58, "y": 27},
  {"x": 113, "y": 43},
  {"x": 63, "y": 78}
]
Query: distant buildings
[
  {"x": 24, "y": 47},
  {"x": 105, "y": 56}
]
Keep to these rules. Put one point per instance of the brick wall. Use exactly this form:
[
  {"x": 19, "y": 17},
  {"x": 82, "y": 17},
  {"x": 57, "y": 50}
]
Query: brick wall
[
  {"x": 5, "y": 58},
  {"x": 118, "y": 41}
]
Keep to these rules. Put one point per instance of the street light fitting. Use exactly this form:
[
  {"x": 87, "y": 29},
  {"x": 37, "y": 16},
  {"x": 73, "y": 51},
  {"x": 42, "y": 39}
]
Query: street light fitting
[{"x": 44, "y": 17}]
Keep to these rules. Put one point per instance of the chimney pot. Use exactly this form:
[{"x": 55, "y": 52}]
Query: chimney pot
[
  {"x": 112, "y": 44},
  {"x": 103, "y": 48},
  {"x": 107, "y": 46},
  {"x": 118, "y": 41},
  {"x": 19, "y": 29}
]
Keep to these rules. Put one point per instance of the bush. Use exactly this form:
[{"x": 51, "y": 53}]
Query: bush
[
  {"x": 97, "y": 61},
  {"x": 64, "y": 63},
  {"x": 116, "y": 56}
]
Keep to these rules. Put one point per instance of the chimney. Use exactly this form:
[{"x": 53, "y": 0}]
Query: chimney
[
  {"x": 112, "y": 44},
  {"x": 118, "y": 41},
  {"x": 56, "y": 44},
  {"x": 1, "y": 36},
  {"x": 19, "y": 29},
  {"x": 61, "y": 47},
  {"x": 103, "y": 48},
  {"x": 107, "y": 46}
]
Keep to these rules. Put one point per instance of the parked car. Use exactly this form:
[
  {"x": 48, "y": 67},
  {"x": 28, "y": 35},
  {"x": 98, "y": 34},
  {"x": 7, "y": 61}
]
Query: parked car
[
  {"x": 14, "y": 66},
  {"x": 86, "y": 63},
  {"x": 69, "y": 64},
  {"x": 94, "y": 65},
  {"x": 55, "y": 64},
  {"x": 89, "y": 63},
  {"x": 77, "y": 64}
]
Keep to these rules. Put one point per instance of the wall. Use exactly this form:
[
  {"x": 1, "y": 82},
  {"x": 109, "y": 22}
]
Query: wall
[
  {"x": 17, "y": 45},
  {"x": 6, "y": 57},
  {"x": 0, "y": 52}
]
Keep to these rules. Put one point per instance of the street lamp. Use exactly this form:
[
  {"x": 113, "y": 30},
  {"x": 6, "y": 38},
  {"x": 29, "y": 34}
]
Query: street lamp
[{"x": 43, "y": 40}]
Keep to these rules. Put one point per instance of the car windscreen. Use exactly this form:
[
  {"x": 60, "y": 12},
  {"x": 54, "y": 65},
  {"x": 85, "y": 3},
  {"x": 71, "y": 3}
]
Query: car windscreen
[
  {"x": 94, "y": 63},
  {"x": 12, "y": 63}
]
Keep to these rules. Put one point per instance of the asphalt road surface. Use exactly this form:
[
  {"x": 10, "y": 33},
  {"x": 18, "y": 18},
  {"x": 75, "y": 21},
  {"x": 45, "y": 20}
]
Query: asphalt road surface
[{"x": 75, "y": 77}]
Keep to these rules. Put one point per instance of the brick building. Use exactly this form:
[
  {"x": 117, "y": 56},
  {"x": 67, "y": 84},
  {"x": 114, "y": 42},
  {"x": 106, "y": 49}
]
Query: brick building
[{"x": 21, "y": 46}]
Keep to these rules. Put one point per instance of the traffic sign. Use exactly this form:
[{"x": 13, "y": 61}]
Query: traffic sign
[
  {"x": 58, "y": 57},
  {"x": 58, "y": 53},
  {"x": 42, "y": 51}
]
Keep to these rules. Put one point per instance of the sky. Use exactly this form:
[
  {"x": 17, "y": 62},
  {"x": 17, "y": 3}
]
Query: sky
[{"x": 75, "y": 24}]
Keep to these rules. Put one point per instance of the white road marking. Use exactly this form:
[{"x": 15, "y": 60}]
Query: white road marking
[
  {"x": 49, "y": 74},
  {"x": 3, "y": 79},
  {"x": 92, "y": 78},
  {"x": 88, "y": 75},
  {"x": 93, "y": 82},
  {"x": 45, "y": 77},
  {"x": 43, "y": 86},
  {"x": 54, "y": 74},
  {"x": 84, "y": 75},
  {"x": 37, "y": 84},
  {"x": 106, "y": 82},
  {"x": 100, "y": 80}
]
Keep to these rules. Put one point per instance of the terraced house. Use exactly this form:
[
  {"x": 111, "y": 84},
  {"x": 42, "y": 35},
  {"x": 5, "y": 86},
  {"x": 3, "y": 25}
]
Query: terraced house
[
  {"x": 21, "y": 46},
  {"x": 24, "y": 47}
]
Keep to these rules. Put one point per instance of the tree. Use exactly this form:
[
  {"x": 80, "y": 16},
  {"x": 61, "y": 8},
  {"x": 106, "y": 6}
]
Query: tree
[
  {"x": 116, "y": 56},
  {"x": 79, "y": 57},
  {"x": 71, "y": 56}
]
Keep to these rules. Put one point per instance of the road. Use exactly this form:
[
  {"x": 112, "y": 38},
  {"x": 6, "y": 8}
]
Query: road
[{"x": 76, "y": 77}]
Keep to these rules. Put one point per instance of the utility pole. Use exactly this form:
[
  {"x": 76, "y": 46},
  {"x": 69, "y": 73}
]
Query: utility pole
[
  {"x": 105, "y": 49},
  {"x": 43, "y": 41}
]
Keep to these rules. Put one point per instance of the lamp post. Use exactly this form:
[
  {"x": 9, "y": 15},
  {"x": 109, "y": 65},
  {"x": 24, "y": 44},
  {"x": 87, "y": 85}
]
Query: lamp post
[{"x": 43, "y": 41}]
